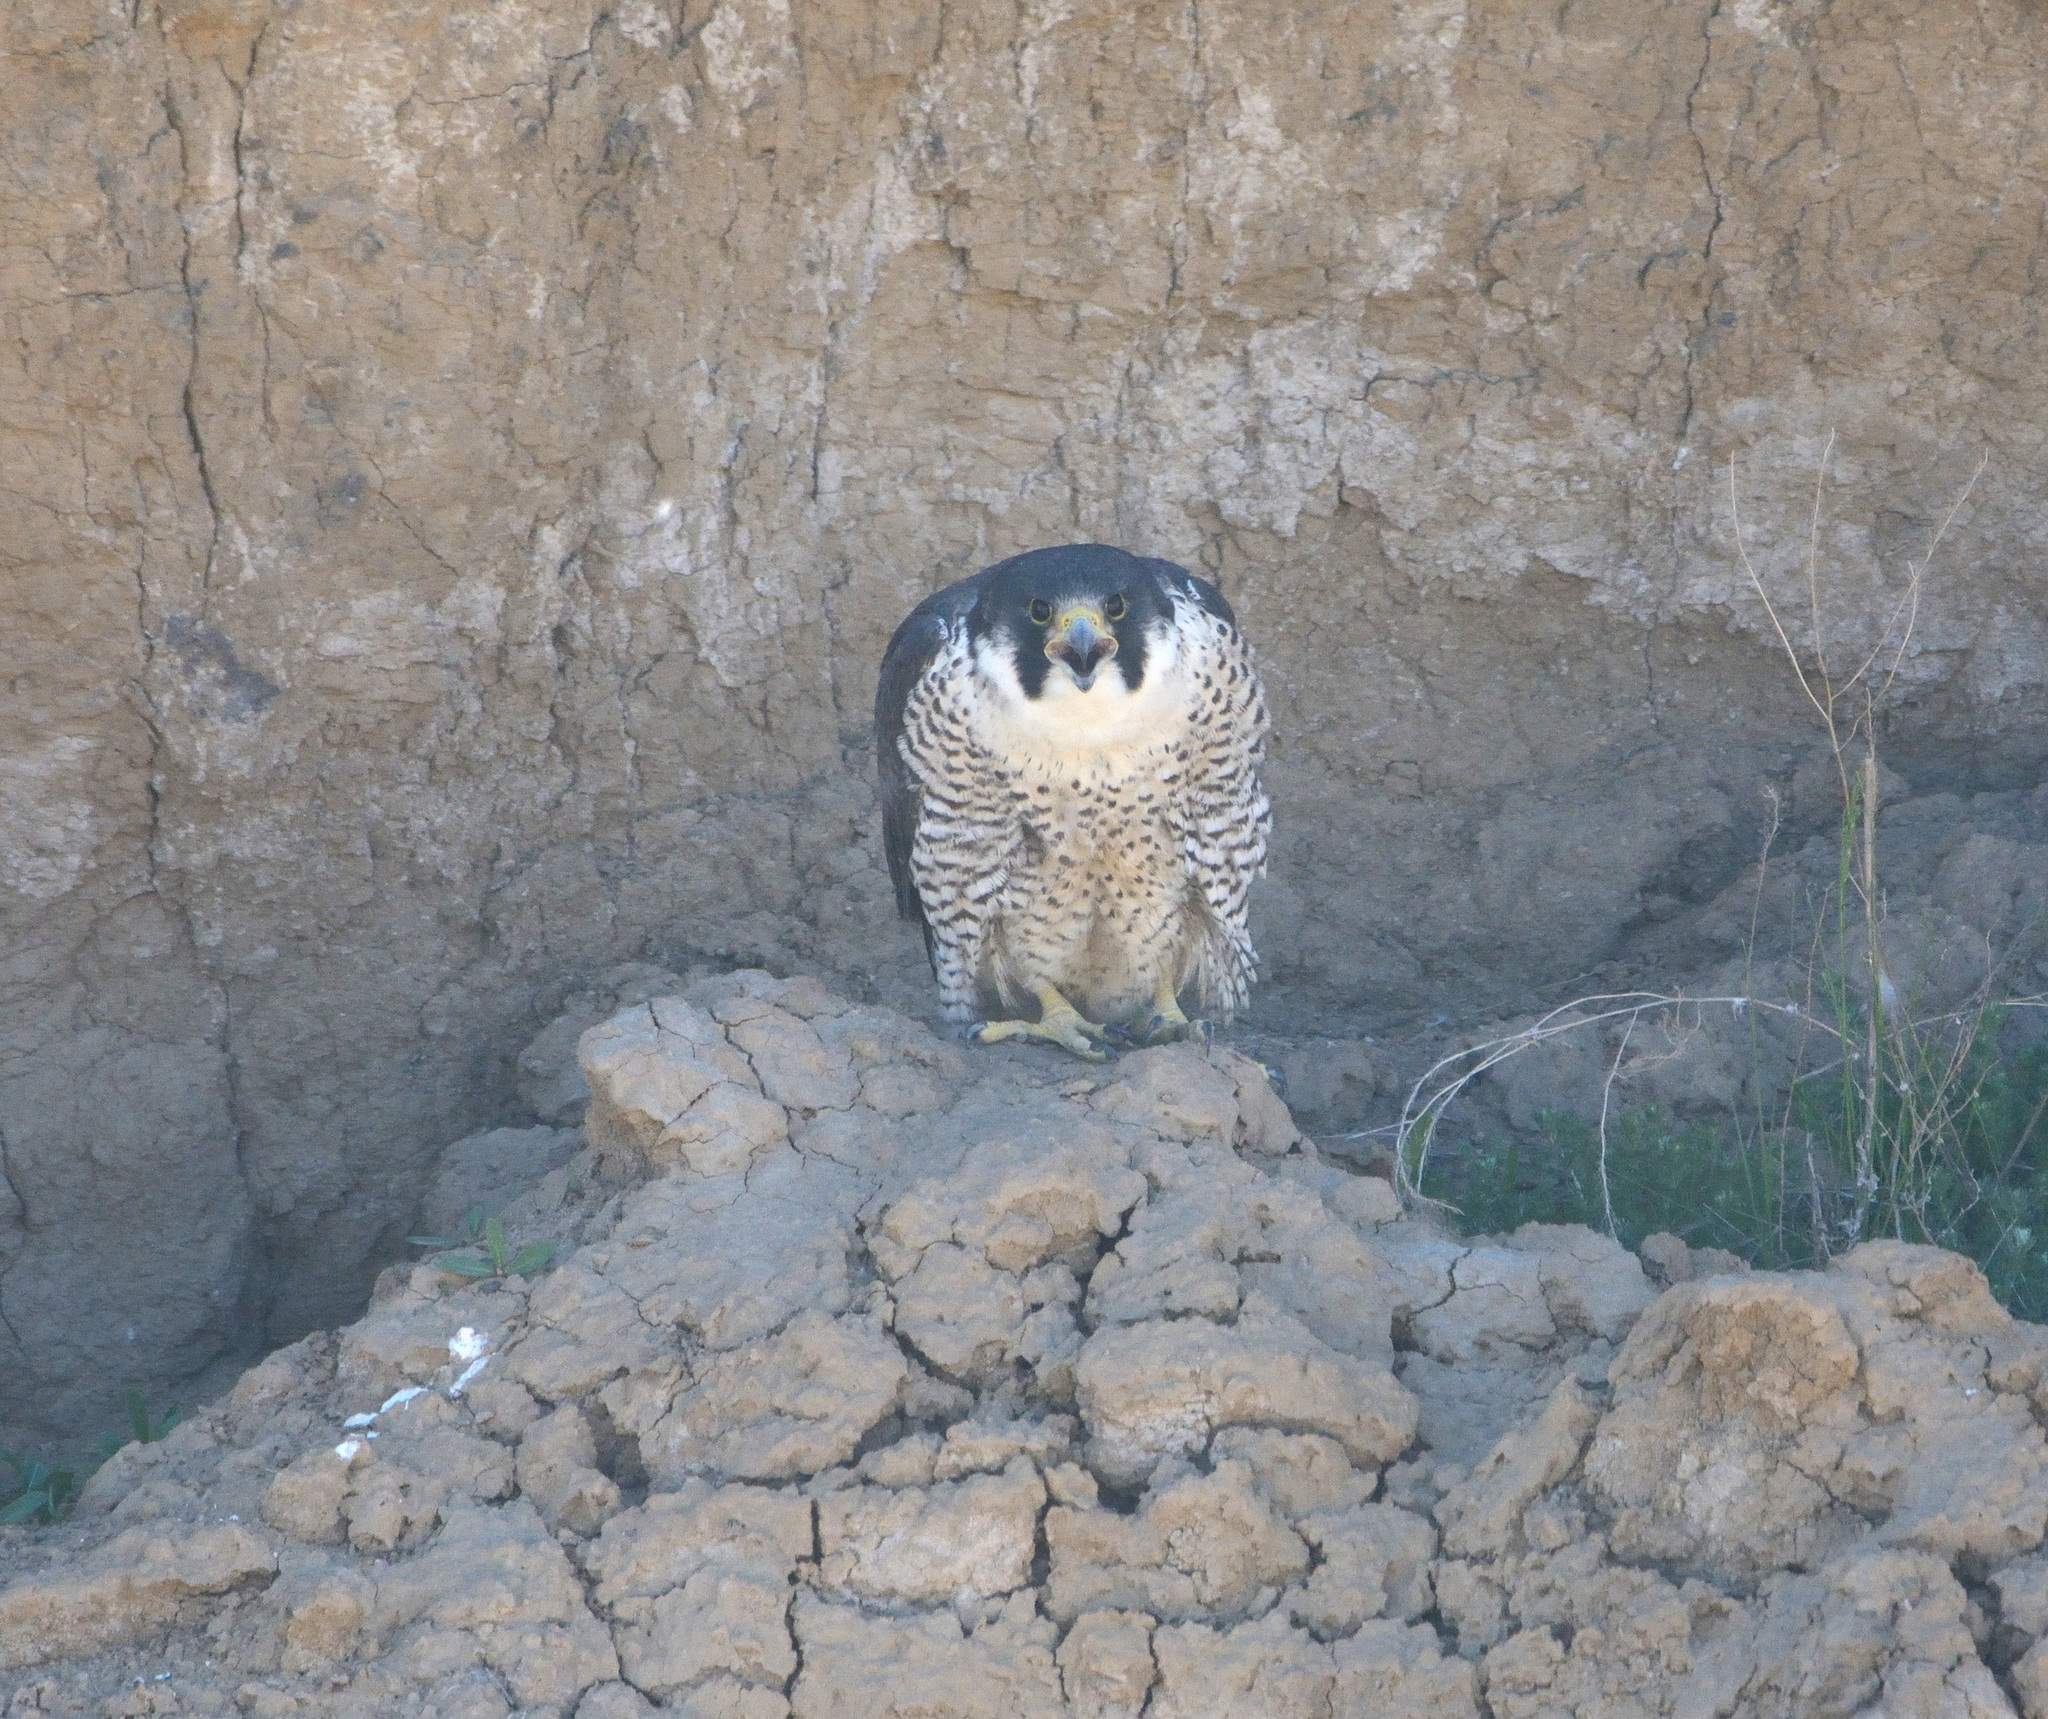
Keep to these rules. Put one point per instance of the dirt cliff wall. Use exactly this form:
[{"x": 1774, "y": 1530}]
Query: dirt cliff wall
[{"x": 462, "y": 463}]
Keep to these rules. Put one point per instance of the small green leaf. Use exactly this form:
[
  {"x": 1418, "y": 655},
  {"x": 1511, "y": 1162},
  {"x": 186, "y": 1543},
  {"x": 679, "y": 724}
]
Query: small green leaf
[
  {"x": 494, "y": 1240},
  {"x": 24, "y": 1507},
  {"x": 532, "y": 1257},
  {"x": 138, "y": 1413},
  {"x": 438, "y": 1241},
  {"x": 467, "y": 1265},
  {"x": 472, "y": 1222},
  {"x": 171, "y": 1417}
]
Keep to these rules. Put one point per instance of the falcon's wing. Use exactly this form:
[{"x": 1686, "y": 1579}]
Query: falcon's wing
[
  {"x": 1177, "y": 578},
  {"x": 1227, "y": 816},
  {"x": 925, "y": 630}
]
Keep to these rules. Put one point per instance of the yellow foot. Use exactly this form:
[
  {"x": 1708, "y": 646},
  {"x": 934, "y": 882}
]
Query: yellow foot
[
  {"x": 1059, "y": 1023},
  {"x": 1167, "y": 1025}
]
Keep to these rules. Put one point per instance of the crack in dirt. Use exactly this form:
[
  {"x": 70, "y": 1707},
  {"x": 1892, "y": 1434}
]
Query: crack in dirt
[
  {"x": 241, "y": 90},
  {"x": 21, "y": 1200},
  {"x": 1706, "y": 314},
  {"x": 797, "y": 1585}
]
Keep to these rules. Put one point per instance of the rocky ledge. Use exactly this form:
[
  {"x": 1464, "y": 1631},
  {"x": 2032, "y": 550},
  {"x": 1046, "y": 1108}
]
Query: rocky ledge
[{"x": 875, "y": 1379}]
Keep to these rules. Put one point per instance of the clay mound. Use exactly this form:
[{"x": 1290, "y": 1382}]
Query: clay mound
[{"x": 875, "y": 1379}]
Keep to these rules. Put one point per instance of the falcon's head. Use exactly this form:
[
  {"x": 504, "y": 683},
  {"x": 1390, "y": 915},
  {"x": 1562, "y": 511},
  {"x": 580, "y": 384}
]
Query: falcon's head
[{"x": 1079, "y": 623}]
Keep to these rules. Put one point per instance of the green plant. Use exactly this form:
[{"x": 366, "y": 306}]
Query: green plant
[
  {"x": 1892, "y": 1120},
  {"x": 1958, "y": 1148},
  {"x": 36, "y": 1490},
  {"x": 141, "y": 1428},
  {"x": 1777, "y": 1197},
  {"x": 1660, "y": 1177},
  {"x": 496, "y": 1260},
  {"x": 1915, "y": 1128},
  {"x": 148, "y": 1431}
]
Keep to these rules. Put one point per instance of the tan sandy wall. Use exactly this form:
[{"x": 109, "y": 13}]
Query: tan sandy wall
[{"x": 459, "y": 465}]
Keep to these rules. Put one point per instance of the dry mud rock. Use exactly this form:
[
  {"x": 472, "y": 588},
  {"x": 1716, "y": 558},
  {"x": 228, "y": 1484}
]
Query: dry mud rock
[{"x": 878, "y": 1380}]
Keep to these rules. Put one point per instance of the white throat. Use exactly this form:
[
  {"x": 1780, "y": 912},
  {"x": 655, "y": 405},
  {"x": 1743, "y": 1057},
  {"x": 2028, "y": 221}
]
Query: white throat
[{"x": 1104, "y": 729}]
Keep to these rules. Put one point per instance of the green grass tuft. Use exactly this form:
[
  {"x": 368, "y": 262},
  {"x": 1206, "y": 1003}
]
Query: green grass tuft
[
  {"x": 495, "y": 1259},
  {"x": 34, "y": 1491},
  {"x": 1962, "y": 1161}
]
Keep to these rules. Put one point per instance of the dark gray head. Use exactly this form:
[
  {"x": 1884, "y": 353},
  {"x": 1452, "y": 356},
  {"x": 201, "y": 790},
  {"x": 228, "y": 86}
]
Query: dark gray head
[{"x": 1081, "y": 610}]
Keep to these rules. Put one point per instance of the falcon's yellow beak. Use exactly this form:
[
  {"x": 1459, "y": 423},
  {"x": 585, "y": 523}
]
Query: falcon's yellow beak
[{"x": 1082, "y": 640}]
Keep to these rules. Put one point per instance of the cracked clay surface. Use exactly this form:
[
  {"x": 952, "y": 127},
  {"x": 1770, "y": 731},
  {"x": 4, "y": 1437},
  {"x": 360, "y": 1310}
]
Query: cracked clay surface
[{"x": 875, "y": 1379}]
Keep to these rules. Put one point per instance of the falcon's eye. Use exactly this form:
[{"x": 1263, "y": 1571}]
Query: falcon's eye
[
  {"x": 1113, "y": 610},
  {"x": 1041, "y": 611}
]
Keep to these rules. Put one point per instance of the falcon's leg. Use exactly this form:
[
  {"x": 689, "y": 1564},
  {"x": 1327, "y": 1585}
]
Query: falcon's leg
[
  {"x": 1059, "y": 1023},
  {"x": 1166, "y": 1023}
]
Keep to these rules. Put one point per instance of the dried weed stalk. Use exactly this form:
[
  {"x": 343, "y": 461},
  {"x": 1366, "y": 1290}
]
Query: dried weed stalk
[{"x": 1908, "y": 1084}]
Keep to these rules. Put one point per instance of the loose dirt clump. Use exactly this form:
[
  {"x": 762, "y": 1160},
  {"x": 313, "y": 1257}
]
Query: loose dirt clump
[{"x": 875, "y": 1379}]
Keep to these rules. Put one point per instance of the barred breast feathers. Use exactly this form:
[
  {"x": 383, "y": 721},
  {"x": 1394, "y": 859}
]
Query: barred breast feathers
[
  {"x": 968, "y": 823},
  {"x": 1227, "y": 818}
]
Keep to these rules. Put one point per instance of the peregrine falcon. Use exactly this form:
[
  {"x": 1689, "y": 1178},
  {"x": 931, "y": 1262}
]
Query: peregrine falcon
[{"x": 1069, "y": 746}]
